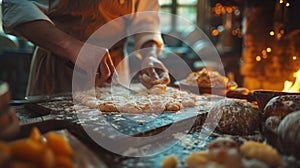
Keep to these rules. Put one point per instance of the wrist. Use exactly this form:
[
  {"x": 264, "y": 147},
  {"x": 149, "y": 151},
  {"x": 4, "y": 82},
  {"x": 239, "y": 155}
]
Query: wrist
[
  {"x": 148, "y": 49},
  {"x": 148, "y": 44}
]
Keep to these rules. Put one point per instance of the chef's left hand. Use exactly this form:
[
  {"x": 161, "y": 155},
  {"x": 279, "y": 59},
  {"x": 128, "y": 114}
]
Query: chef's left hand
[{"x": 153, "y": 72}]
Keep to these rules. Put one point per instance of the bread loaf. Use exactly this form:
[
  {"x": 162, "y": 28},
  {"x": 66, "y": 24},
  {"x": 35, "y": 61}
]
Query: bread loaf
[
  {"x": 235, "y": 116},
  {"x": 289, "y": 134},
  {"x": 282, "y": 105}
]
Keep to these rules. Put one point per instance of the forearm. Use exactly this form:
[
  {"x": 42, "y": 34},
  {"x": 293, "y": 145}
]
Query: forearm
[{"x": 46, "y": 35}]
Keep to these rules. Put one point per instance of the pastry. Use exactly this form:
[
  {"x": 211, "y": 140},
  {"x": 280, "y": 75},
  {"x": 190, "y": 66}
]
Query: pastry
[
  {"x": 272, "y": 123},
  {"x": 197, "y": 159},
  {"x": 158, "y": 89},
  {"x": 282, "y": 105},
  {"x": 226, "y": 153},
  {"x": 170, "y": 162},
  {"x": 270, "y": 129},
  {"x": 174, "y": 105},
  {"x": 108, "y": 107},
  {"x": 205, "y": 78},
  {"x": 222, "y": 152},
  {"x": 234, "y": 116},
  {"x": 289, "y": 134},
  {"x": 262, "y": 152},
  {"x": 220, "y": 142},
  {"x": 157, "y": 99}
]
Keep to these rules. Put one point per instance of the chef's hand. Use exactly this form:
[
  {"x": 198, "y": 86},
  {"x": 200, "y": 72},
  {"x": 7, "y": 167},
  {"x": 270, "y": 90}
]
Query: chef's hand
[
  {"x": 153, "y": 70},
  {"x": 106, "y": 71},
  {"x": 97, "y": 64}
]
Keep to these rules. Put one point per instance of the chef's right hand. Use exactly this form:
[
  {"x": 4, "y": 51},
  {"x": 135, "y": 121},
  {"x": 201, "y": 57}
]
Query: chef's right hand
[
  {"x": 97, "y": 64},
  {"x": 106, "y": 71}
]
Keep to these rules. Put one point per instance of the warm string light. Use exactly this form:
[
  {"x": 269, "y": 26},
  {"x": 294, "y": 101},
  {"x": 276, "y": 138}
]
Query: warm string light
[
  {"x": 264, "y": 54},
  {"x": 294, "y": 58},
  {"x": 237, "y": 32},
  {"x": 215, "y": 32},
  {"x": 219, "y": 10},
  {"x": 276, "y": 34},
  {"x": 258, "y": 58},
  {"x": 279, "y": 35},
  {"x": 287, "y": 4}
]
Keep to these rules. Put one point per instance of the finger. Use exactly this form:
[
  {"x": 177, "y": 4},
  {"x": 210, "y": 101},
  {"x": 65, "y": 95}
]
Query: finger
[
  {"x": 164, "y": 79},
  {"x": 104, "y": 71},
  {"x": 114, "y": 74},
  {"x": 162, "y": 72},
  {"x": 104, "y": 68},
  {"x": 113, "y": 77},
  {"x": 145, "y": 80},
  {"x": 110, "y": 63},
  {"x": 149, "y": 69},
  {"x": 152, "y": 73}
]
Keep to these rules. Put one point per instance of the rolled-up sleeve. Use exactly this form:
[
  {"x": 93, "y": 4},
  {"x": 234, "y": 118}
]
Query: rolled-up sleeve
[
  {"x": 145, "y": 24},
  {"x": 16, "y": 12}
]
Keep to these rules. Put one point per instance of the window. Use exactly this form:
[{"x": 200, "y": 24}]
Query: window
[
  {"x": 1, "y": 29},
  {"x": 184, "y": 8}
]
